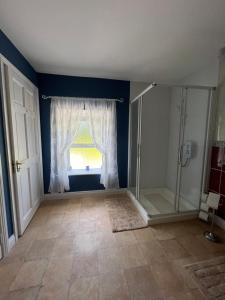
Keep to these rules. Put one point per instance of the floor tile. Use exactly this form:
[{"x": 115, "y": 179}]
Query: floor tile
[
  {"x": 160, "y": 232},
  {"x": 84, "y": 288},
  {"x": 63, "y": 247},
  {"x": 179, "y": 268},
  {"x": 125, "y": 238},
  {"x": 19, "y": 250},
  {"x": 173, "y": 249},
  {"x": 142, "y": 284},
  {"x": 144, "y": 235},
  {"x": 153, "y": 252},
  {"x": 40, "y": 249},
  {"x": 54, "y": 292},
  {"x": 55, "y": 218},
  {"x": 131, "y": 256},
  {"x": 193, "y": 245},
  {"x": 86, "y": 265},
  {"x": 105, "y": 239},
  {"x": 58, "y": 271},
  {"x": 50, "y": 232},
  {"x": 29, "y": 275},
  {"x": 191, "y": 295},
  {"x": 8, "y": 274},
  {"x": 167, "y": 278},
  {"x": 82, "y": 259},
  {"x": 113, "y": 286},
  {"x": 27, "y": 294},
  {"x": 85, "y": 244},
  {"x": 109, "y": 260}
]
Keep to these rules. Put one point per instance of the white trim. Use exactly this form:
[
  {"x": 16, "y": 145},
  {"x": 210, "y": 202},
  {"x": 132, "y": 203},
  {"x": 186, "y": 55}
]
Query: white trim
[
  {"x": 11, "y": 242},
  {"x": 40, "y": 145},
  {"x": 84, "y": 172},
  {"x": 8, "y": 63},
  {"x": 7, "y": 145},
  {"x": 69, "y": 195},
  {"x": 129, "y": 147},
  {"x": 83, "y": 146},
  {"x": 3, "y": 220}
]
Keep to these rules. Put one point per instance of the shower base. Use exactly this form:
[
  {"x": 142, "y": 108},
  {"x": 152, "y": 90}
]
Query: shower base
[
  {"x": 162, "y": 201},
  {"x": 157, "y": 206}
]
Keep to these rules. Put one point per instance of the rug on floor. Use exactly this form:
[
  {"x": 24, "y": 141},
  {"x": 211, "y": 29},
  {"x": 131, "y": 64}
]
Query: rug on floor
[
  {"x": 210, "y": 277},
  {"x": 124, "y": 215}
]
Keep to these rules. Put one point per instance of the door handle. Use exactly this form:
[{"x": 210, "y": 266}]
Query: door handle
[{"x": 17, "y": 165}]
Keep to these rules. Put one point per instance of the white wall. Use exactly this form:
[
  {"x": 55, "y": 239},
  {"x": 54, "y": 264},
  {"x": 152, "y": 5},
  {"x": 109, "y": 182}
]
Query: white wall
[{"x": 206, "y": 76}]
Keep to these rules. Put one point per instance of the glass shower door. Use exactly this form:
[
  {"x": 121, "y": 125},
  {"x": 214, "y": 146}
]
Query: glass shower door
[
  {"x": 192, "y": 148},
  {"x": 160, "y": 128},
  {"x": 133, "y": 161}
]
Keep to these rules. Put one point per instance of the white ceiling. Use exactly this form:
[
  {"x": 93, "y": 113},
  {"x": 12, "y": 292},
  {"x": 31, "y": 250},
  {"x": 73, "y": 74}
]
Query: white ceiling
[{"x": 123, "y": 39}]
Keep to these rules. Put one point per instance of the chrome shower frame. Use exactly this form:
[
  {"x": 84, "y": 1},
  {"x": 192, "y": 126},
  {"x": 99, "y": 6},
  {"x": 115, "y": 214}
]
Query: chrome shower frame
[{"x": 177, "y": 215}]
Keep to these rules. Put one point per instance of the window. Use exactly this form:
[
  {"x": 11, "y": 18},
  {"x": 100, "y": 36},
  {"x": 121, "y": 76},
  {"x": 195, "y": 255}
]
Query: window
[{"x": 85, "y": 158}]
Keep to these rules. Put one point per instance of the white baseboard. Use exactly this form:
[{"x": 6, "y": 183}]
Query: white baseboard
[
  {"x": 219, "y": 222},
  {"x": 69, "y": 195},
  {"x": 11, "y": 242}
]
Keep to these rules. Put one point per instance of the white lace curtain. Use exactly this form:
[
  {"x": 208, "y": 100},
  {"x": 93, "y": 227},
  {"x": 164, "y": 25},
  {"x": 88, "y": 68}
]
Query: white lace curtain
[{"x": 65, "y": 117}]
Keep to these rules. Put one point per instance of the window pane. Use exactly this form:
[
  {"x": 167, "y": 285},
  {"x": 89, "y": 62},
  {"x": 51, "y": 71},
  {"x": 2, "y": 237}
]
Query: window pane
[
  {"x": 80, "y": 158},
  {"x": 84, "y": 135}
]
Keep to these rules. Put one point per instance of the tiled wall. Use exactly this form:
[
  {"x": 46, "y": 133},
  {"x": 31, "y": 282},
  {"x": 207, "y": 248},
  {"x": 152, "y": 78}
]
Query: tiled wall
[{"x": 217, "y": 175}]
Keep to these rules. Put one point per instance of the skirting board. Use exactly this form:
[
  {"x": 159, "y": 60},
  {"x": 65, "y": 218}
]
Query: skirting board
[
  {"x": 83, "y": 194},
  {"x": 11, "y": 242}
]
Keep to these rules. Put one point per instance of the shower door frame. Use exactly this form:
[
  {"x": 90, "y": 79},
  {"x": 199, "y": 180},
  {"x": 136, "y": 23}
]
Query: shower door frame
[{"x": 207, "y": 144}]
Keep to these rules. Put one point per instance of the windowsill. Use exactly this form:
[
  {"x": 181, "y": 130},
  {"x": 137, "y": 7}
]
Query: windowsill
[{"x": 84, "y": 172}]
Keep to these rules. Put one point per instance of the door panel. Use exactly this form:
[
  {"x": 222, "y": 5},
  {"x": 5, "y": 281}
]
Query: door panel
[
  {"x": 21, "y": 138},
  {"x": 17, "y": 92},
  {"x": 24, "y": 179},
  {"x": 31, "y": 134},
  {"x": 26, "y": 155},
  {"x": 35, "y": 183},
  {"x": 29, "y": 100}
]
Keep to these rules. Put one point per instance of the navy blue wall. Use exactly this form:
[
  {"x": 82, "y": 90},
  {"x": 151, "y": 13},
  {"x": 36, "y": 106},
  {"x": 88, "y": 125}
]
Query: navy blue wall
[
  {"x": 66, "y": 86},
  {"x": 71, "y": 86},
  {"x": 17, "y": 59}
]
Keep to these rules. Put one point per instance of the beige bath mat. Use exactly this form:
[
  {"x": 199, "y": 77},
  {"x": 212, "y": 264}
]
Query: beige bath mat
[
  {"x": 124, "y": 215},
  {"x": 210, "y": 277}
]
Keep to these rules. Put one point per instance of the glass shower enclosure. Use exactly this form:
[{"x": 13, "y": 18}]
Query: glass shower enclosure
[{"x": 168, "y": 147}]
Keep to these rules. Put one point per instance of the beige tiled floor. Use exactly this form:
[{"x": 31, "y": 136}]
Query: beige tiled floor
[{"x": 69, "y": 252}]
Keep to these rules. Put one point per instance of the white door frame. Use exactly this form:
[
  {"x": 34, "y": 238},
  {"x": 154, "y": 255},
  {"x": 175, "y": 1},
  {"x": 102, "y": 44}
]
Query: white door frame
[
  {"x": 3, "y": 221},
  {"x": 7, "y": 126}
]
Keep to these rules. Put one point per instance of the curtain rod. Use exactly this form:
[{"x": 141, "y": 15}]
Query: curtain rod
[{"x": 121, "y": 100}]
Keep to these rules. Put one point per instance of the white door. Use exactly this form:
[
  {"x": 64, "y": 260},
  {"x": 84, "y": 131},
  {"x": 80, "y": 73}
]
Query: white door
[{"x": 23, "y": 112}]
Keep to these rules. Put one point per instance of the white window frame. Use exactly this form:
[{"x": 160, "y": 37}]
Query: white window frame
[{"x": 96, "y": 171}]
